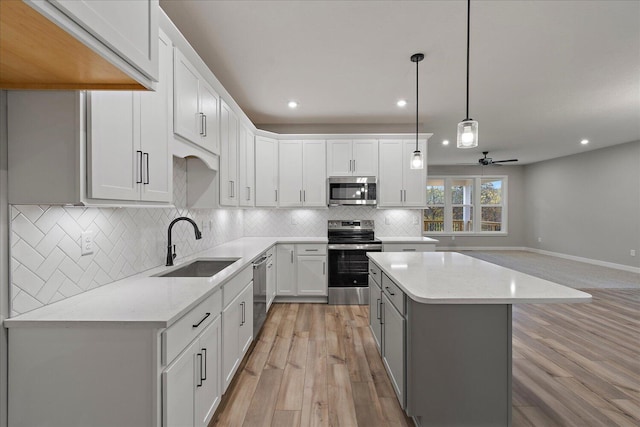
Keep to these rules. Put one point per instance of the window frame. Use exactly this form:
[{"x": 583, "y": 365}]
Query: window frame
[{"x": 477, "y": 206}]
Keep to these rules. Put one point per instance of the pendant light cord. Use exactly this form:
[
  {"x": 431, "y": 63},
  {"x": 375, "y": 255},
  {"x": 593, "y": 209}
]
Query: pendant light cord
[
  {"x": 468, "y": 26},
  {"x": 417, "y": 97}
]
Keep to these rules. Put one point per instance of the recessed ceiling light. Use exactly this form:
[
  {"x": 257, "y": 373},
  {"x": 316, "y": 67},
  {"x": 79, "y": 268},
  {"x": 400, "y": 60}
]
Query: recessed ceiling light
[
  {"x": 292, "y": 104},
  {"x": 401, "y": 103},
  {"x": 584, "y": 142},
  {"x": 445, "y": 142}
]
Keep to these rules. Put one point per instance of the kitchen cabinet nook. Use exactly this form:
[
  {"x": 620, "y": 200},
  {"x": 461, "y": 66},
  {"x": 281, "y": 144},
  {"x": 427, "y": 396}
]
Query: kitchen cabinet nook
[{"x": 92, "y": 148}]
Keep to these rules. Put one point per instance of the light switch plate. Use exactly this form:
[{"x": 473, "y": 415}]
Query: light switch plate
[{"x": 86, "y": 243}]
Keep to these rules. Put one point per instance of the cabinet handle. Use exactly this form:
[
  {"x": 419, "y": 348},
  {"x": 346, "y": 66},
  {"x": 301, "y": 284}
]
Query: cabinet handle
[
  {"x": 201, "y": 320},
  {"x": 146, "y": 155},
  {"x": 373, "y": 272},
  {"x": 230, "y": 189},
  {"x": 304, "y": 195},
  {"x": 276, "y": 195},
  {"x": 242, "y": 313},
  {"x": 378, "y": 308},
  {"x": 201, "y": 124},
  {"x": 248, "y": 193},
  {"x": 381, "y": 312},
  {"x": 408, "y": 249},
  {"x": 205, "y": 125},
  {"x": 199, "y": 355},
  {"x": 324, "y": 264},
  {"x": 300, "y": 195},
  {"x": 388, "y": 291},
  {"x": 354, "y": 165},
  {"x": 203, "y": 372},
  {"x": 291, "y": 257},
  {"x": 350, "y": 165},
  {"x": 139, "y": 180},
  {"x": 400, "y": 196}
]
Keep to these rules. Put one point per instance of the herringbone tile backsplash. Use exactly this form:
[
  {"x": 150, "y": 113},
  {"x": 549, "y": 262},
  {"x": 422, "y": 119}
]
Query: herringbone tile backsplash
[{"x": 46, "y": 265}]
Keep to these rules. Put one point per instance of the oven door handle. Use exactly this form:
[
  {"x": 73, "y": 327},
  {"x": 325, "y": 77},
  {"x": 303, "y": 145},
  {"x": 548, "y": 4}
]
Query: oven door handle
[{"x": 350, "y": 247}]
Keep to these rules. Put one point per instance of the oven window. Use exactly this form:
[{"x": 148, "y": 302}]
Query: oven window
[{"x": 348, "y": 268}]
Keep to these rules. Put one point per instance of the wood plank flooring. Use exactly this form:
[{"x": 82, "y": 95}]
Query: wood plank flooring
[{"x": 317, "y": 365}]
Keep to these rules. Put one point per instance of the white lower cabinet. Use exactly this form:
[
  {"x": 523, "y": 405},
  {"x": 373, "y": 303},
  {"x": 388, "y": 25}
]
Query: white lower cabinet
[
  {"x": 393, "y": 332},
  {"x": 191, "y": 384},
  {"x": 302, "y": 270},
  {"x": 237, "y": 326},
  {"x": 375, "y": 303},
  {"x": 271, "y": 276},
  {"x": 312, "y": 275}
]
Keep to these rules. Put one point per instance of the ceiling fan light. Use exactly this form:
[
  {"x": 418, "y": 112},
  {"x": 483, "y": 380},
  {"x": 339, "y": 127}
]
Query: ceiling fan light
[
  {"x": 417, "y": 161},
  {"x": 467, "y": 134}
]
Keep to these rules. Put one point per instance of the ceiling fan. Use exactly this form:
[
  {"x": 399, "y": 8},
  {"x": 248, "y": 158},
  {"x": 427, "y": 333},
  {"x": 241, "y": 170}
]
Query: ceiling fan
[{"x": 486, "y": 161}]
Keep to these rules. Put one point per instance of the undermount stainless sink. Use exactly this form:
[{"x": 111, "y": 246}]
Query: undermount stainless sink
[{"x": 200, "y": 268}]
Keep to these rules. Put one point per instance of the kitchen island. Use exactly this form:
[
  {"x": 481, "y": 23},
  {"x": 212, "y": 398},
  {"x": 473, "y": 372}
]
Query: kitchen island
[{"x": 442, "y": 321}]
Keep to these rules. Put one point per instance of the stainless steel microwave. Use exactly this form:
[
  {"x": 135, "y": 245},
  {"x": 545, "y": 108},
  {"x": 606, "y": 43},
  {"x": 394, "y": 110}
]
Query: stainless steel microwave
[{"x": 352, "y": 190}]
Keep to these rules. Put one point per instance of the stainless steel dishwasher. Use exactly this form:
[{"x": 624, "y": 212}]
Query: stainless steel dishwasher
[{"x": 259, "y": 293}]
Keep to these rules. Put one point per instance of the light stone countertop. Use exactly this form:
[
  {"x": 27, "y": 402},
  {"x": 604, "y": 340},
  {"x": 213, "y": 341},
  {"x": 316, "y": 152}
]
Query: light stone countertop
[
  {"x": 407, "y": 239},
  {"x": 152, "y": 302},
  {"x": 453, "y": 278}
]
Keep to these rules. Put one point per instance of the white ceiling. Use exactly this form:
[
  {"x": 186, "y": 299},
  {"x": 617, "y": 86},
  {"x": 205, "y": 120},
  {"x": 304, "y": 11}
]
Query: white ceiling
[{"x": 544, "y": 74}]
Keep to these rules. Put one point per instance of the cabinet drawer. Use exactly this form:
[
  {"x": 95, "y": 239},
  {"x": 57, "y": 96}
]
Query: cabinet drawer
[
  {"x": 311, "y": 249},
  {"x": 409, "y": 247},
  {"x": 394, "y": 293},
  {"x": 233, "y": 287},
  {"x": 375, "y": 273},
  {"x": 177, "y": 336}
]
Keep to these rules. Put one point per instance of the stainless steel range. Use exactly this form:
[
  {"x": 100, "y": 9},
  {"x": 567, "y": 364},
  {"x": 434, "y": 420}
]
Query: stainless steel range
[{"x": 349, "y": 241}]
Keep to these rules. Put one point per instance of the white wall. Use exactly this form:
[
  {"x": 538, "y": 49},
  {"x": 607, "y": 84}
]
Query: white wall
[
  {"x": 516, "y": 211},
  {"x": 46, "y": 265},
  {"x": 586, "y": 205}
]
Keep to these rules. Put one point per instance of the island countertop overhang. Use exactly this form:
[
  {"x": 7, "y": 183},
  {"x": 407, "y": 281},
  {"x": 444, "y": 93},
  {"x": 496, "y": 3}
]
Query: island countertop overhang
[{"x": 453, "y": 278}]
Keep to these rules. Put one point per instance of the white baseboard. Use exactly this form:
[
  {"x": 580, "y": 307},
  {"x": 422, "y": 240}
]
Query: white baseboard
[
  {"x": 586, "y": 260},
  {"x": 300, "y": 300}
]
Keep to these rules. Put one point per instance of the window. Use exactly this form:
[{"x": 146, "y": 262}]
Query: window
[{"x": 466, "y": 205}]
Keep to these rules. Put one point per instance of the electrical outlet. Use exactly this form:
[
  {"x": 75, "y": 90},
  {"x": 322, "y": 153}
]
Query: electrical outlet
[
  {"x": 539, "y": 239},
  {"x": 632, "y": 252},
  {"x": 86, "y": 242}
]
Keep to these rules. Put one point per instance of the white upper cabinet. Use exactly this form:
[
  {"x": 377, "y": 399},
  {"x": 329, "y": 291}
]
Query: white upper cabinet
[
  {"x": 246, "y": 168},
  {"x": 196, "y": 114},
  {"x": 398, "y": 184},
  {"x": 352, "y": 157},
  {"x": 302, "y": 173},
  {"x": 229, "y": 156},
  {"x": 92, "y": 148},
  {"x": 266, "y": 150},
  {"x": 124, "y": 33}
]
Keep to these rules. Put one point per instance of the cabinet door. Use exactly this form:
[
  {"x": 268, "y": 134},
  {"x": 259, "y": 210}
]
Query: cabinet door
[
  {"x": 246, "y": 167},
  {"x": 113, "y": 146},
  {"x": 231, "y": 320},
  {"x": 414, "y": 180},
  {"x": 339, "y": 158},
  {"x": 246, "y": 326},
  {"x": 312, "y": 275},
  {"x": 186, "y": 108},
  {"x": 210, "y": 118},
  {"x": 178, "y": 388},
  {"x": 271, "y": 282},
  {"x": 228, "y": 156},
  {"x": 375, "y": 316},
  {"x": 394, "y": 347},
  {"x": 155, "y": 109},
  {"x": 207, "y": 392},
  {"x": 129, "y": 27},
  {"x": 314, "y": 180},
  {"x": 286, "y": 270},
  {"x": 266, "y": 171},
  {"x": 365, "y": 157},
  {"x": 290, "y": 173},
  {"x": 390, "y": 190}
]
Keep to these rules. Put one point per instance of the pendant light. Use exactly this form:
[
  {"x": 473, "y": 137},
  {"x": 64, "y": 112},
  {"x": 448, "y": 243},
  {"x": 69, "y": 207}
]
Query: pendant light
[
  {"x": 468, "y": 128},
  {"x": 417, "y": 161}
]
